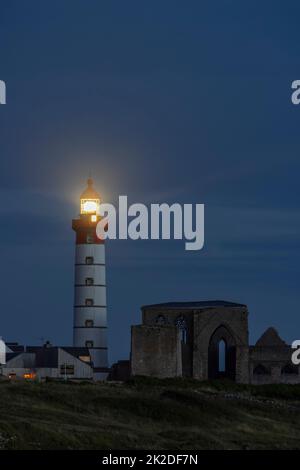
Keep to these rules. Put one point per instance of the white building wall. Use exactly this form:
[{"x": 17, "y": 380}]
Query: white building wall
[
  {"x": 24, "y": 363},
  {"x": 82, "y": 370},
  {"x": 98, "y": 294},
  {"x": 96, "y": 335},
  {"x": 97, "y": 251},
  {"x": 23, "y": 360},
  {"x": 97, "y": 314},
  {"x": 97, "y": 272},
  {"x": 18, "y": 371}
]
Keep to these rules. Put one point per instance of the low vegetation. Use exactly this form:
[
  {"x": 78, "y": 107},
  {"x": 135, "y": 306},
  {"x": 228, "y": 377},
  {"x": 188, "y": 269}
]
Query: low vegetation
[{"x": 171, "y": 414}]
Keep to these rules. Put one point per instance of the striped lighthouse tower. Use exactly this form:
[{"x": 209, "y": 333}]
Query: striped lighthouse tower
[{"x": 90, "y": 326}]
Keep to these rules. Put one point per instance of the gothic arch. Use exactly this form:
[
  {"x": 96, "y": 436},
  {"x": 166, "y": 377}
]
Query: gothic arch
[
  {"x": 222, "y": 334},
  {"x": 181, "y": 324}
]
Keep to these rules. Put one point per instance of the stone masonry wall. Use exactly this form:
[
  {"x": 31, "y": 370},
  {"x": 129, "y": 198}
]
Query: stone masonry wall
[
  {"x": 205, "y": 323},
  {"x": 273, "y": 359},
  {"x": 155, "y": 351}
]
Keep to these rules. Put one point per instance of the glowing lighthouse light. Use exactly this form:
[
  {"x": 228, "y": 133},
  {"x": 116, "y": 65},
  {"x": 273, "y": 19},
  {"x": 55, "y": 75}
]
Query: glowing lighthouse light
[
  {"x": 89, "y": 200},
  {"x": 88, "y": 206}
]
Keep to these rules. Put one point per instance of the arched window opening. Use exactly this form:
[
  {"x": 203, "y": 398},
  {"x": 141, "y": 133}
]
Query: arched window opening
[
  {"x": 181, "y": 324},
  {"x": 261, "y": 370},
  {"x": 183, "y": 335},
  {"x": 222, "y": 356}
]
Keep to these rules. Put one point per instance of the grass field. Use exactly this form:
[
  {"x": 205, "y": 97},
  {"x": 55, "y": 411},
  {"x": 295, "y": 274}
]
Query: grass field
[{"x": 169, "y": 414}]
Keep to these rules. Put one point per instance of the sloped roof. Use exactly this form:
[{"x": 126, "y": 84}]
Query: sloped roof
[
  {"x": 270, "y": 338},
  {"x": 195, "y": 305},
  {"x": 12, "y": 355},
  {"x": 15, "y": 347},
  {"x": 48, "y": 356}
]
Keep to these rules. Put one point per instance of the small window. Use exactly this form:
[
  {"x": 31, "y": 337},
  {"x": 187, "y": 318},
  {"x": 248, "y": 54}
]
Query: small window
[
  {"x": 90, "y": 238},
  {"x": 89, "y": 260},
  {"x": 89, "y": 344},
  {"x": 160, "y": 320},
  {"x": 89, "y": 302},
  {"x": 66, "y": 369},
  {"x": 89, "y": 281},
  {"x": 89, "y": 323}
]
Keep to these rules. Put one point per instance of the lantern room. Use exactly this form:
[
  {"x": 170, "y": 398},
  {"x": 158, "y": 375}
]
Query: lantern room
[{"x": 89, "y": 200}]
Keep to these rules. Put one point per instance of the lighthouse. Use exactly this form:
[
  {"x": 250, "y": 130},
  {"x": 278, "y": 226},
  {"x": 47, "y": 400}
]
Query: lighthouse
[{"x": 90, "y": 311}]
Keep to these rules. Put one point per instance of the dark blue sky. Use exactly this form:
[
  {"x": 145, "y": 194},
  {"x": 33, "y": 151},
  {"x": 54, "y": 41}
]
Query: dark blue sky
[{"x": 165, "y": 102}]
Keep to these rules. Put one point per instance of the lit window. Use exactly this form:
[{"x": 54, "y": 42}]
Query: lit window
[
  {"x": 29, "y": 376},
  {"x": 89, "y": 260},
  {"x": 89, "y": 302},
  {"x": 89, "y": 344},
  {"x": 85, "y": 358},
  {"x": 93, "y": 218},
  {"x": 89, "y": 206},
  {"x": 89, "y": 323},
  {"x": 89, "y": 281}
]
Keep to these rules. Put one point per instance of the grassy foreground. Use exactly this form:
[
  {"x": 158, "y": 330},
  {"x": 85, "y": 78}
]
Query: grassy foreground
[{"x": 149, "y": 414}]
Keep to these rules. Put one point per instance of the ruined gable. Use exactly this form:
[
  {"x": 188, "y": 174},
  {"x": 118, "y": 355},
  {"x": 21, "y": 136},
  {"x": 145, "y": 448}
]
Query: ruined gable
[{"x": 270, "y": 338}]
